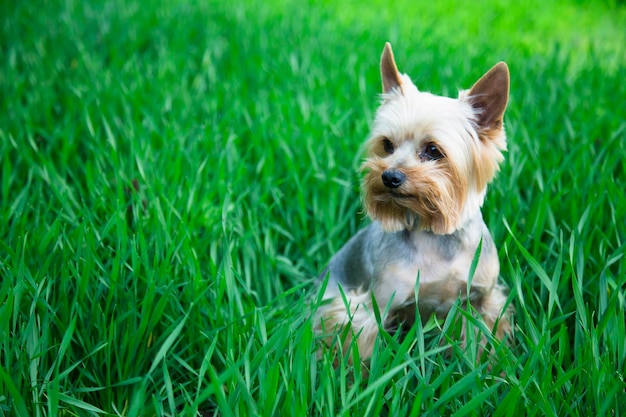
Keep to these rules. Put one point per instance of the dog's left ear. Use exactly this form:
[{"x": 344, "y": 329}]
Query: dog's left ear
[
  {"x": 490, "y": 95},
  {"x": 389, "y": 71}
]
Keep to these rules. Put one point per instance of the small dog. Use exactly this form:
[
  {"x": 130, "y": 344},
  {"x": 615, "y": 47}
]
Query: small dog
[{"x": 430, "y": 159}]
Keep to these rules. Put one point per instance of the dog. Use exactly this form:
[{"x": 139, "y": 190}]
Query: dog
[{"x": 429, "y": 162}]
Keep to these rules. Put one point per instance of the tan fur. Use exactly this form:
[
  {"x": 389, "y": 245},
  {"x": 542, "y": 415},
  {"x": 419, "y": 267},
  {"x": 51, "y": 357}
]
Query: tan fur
[
  {"x": 429, "y": 191},
  {"x": 388, "y": 70},
  {"x": 342, "y": 328}
]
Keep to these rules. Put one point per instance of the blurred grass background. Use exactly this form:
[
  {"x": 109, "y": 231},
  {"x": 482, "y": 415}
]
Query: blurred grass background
[{"x": 174, "y": 174}]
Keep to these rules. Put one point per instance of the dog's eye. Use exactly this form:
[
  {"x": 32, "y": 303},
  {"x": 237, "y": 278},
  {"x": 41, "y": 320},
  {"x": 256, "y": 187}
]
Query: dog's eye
[
  {"x": 431, "y": 152},
  {"x": 388, "y": 146}
]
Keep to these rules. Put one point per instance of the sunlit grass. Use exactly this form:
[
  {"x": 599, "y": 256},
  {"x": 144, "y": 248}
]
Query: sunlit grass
[{"x": 174, "y": 176}]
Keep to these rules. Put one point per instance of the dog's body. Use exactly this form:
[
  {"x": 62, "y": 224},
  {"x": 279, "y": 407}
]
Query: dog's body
[{"x": 430, "y": 160}]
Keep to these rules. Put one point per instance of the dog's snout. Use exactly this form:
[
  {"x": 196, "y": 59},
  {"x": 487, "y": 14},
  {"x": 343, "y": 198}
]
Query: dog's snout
[{"x": 393, "y": 178}]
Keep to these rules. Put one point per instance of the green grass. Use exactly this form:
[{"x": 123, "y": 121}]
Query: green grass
[{"x": 175, "y": 174}]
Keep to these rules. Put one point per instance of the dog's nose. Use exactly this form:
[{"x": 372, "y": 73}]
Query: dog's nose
[{"x": 393, "y": 178}]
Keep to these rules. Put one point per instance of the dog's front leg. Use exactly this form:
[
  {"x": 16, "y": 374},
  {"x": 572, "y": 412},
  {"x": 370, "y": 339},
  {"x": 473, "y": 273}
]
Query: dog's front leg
[{"x": 347, "y": 319}]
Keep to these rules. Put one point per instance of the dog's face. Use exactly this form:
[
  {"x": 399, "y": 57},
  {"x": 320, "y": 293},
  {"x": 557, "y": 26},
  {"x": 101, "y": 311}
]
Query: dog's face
[{"x": 430, "y": 158}]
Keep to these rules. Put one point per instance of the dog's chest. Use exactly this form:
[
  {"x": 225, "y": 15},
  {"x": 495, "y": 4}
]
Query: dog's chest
[
  {"x": 440, "y": 263},
  {"x": 429, "y": 258}
]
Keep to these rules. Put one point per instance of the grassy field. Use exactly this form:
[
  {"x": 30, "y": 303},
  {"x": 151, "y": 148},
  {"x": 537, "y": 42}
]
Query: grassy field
[{"x": 174, "y": 175}]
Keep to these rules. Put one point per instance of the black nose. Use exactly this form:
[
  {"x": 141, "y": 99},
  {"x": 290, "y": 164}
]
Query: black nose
[{"x": 393, "y": 178}]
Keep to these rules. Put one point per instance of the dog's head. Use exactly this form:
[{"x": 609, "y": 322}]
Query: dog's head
[{"x": 430, "y": 158}]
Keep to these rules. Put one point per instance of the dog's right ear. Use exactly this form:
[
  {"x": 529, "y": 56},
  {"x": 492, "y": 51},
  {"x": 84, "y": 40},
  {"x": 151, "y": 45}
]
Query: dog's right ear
[{"x": 388, "y": 70}]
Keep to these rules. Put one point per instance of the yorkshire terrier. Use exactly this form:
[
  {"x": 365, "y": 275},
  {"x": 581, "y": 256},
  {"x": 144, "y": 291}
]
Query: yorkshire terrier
[{"x": 430, "y": 159}]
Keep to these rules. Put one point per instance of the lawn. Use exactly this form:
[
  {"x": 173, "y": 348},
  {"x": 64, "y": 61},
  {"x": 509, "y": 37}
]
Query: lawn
[{"x": 175, "y": 174}]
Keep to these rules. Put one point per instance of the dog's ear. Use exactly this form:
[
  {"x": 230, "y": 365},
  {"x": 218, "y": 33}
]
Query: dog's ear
[
  {"x": 388, "y": 70},
  {"x": 489, "y": 96}
]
